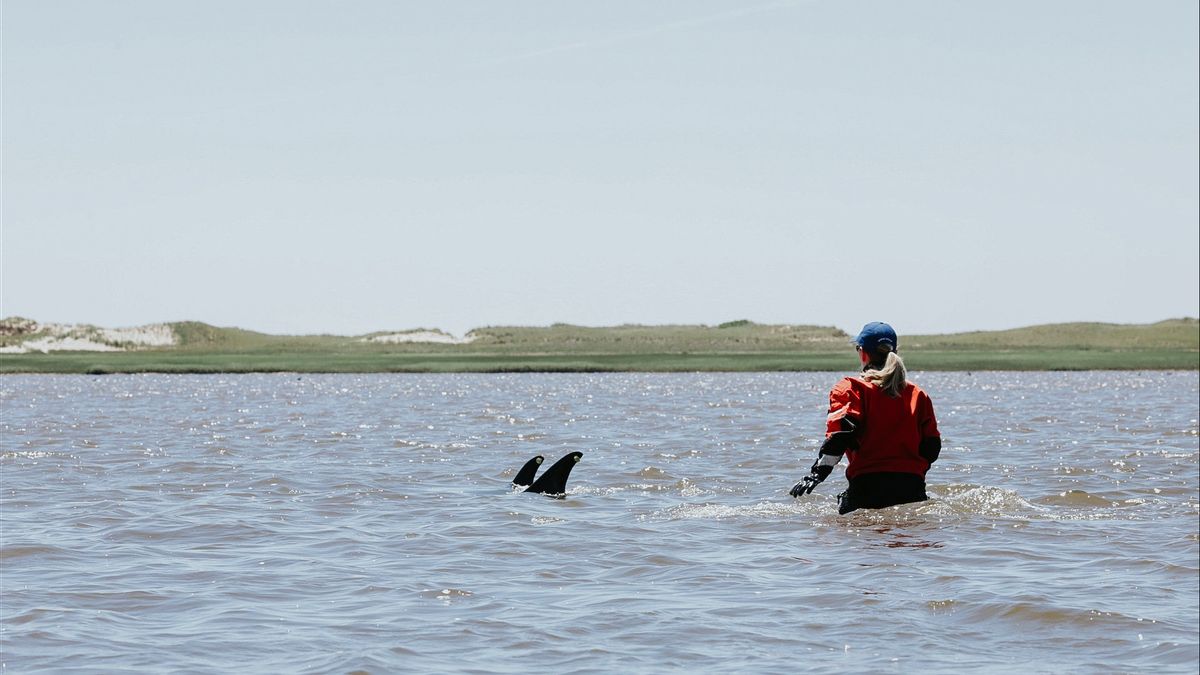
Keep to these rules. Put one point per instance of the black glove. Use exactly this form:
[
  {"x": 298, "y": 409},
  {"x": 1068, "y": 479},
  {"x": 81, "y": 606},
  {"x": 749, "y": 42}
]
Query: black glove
[{"x": 814, "y": 478}]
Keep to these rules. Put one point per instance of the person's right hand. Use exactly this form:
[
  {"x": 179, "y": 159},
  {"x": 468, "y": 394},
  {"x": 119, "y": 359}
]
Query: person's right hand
[{"x": 814, "y": 478}]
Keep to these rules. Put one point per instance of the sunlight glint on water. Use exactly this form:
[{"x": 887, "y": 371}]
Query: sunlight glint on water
[{"x": 365, "y": 522}]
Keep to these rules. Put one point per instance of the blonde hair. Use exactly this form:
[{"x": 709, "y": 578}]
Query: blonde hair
[{"x": 892, "y": 377}]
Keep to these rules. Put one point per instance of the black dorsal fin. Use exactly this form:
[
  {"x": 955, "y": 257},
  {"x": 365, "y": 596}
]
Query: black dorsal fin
[
  {"x": 554, "y": 480},
  {"x": 525, "y": 475}
]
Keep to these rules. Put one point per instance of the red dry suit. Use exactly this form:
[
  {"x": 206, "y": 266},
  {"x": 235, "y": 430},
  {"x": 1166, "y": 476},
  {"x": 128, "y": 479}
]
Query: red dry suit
[{"x": 880, "y": 433}]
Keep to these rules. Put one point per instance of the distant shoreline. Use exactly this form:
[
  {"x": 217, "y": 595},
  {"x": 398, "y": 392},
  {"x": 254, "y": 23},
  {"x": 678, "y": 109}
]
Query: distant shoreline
[
  {"x": 738, "y": 346},
  {"x": 226, "y": 362}
]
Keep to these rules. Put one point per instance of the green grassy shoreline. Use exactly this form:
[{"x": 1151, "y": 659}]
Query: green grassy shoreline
[
  {"x": 1173, "y": 344},
  {"x": 367, "y": 362}
]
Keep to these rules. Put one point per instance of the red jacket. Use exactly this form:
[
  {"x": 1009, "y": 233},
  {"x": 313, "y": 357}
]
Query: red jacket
[{"x": 888, "y": 433}]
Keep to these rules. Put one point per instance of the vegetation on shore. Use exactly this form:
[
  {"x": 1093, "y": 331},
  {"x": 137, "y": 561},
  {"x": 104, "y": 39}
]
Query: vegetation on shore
[{"x": 734, "y": 346}]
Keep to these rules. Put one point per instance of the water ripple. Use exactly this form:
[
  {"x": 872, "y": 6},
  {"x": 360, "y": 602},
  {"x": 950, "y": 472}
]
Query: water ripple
[{"x": 366, "y": 523}]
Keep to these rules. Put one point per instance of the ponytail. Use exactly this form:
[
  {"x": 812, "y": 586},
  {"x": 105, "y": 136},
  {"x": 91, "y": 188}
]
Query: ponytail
[{"x": 892, "y": 377}]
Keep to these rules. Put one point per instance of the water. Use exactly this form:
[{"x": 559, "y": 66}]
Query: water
[{"x": 342, "y": 523}]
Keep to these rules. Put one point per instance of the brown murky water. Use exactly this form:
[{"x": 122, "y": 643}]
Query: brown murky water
[{"x": 338, "y": 523}]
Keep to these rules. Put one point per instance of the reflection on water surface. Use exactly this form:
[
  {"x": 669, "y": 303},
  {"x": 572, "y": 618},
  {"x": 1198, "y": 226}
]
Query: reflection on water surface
[{"x": 366, "y": 522}]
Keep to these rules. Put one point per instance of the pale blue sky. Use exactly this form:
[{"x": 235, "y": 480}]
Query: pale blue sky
[{"x": 300, "y": 167}]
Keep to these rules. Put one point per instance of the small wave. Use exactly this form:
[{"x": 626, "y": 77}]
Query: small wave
[
  {"x": 990, "y": 501},
  {"x": 774, "y": 510},
  {"x": 653, "y": 473},
  {"x": 34, "y": 454},
  {"x": 8, "y": 553},
  {"x": 1074, "y": 470},
  {"x": 29, "y": 616},
  {"x": 184, "y": 467},
  {"x": 1035, "y": 612},
  {"x": 446, "y": 594},
  {"x": 1076, "y": 498},
  {"x": 1050, "y": 615},
  {"x": 672, "y": 456},
  {"x": 948, "y": 605},
  {"x": 683, "y": 486},
  {"x": 273, "y": 485},
  {"x": 617, "y": 489},
  {"x": 688, "y": 489},
  {"x": 546, "y": 520},
  {"x": 976, "y": 500}
]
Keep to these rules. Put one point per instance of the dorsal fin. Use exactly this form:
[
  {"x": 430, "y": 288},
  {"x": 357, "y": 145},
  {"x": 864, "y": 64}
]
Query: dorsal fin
[
  {"x": 525, "y": 475},
  {"x": 554, "y": 480}
]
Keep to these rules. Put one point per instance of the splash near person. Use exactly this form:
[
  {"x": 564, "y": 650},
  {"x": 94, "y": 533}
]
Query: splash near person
[{"x": 883, "y": 424}]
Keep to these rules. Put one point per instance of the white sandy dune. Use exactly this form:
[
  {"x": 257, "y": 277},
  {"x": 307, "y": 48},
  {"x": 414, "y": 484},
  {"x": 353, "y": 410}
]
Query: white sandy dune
[
  {"x": 420, "y": 336},
  {"x": 58, "y": 337}
]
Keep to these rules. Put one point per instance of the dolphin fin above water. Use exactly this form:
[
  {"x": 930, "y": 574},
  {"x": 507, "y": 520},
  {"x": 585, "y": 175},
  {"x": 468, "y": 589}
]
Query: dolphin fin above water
[
  {"x": 524, "y": 477},
  {"x": 554, "y": 481}
]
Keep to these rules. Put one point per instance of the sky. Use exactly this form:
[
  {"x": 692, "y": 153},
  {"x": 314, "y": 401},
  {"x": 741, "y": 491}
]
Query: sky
[{"x": 346, "y": 167}]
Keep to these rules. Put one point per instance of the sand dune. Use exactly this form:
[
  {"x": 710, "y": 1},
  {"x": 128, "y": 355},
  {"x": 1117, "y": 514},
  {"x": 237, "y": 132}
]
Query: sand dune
[{"x": 56, "y": 337}]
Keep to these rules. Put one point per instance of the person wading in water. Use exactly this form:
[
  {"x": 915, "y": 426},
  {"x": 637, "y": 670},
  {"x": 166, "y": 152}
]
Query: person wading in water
[{"x": 883, "y": 424}]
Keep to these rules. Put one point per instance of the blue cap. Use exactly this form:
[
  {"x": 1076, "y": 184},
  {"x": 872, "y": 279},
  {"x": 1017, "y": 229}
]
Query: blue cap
[{"x": 877, "y": 333}]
